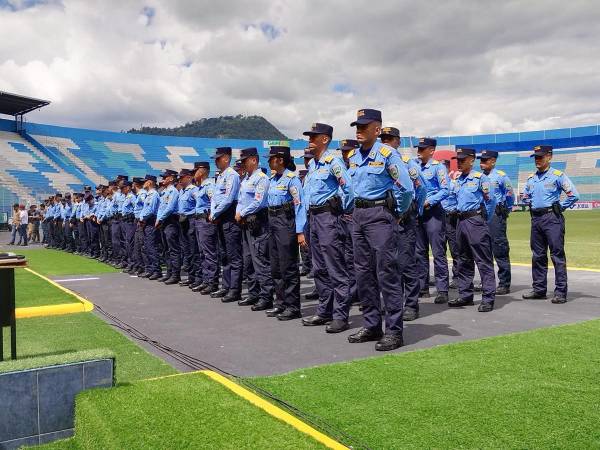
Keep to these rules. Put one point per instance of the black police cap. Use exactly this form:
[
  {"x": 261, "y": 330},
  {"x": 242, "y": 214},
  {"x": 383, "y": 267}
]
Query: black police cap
[
  {"x": 150, "y": 178},
  {"x": 168, "y": 173},
  {"x": 348, "y": 144},
  {"x": 221, "y": 151},
  {"x": 542, "y": 150},
  {"x": 319, "y": 128},
  {"x": 486, "y": 154},
  {"x": 279, "y": 150},
  {"x": 248, "y": 152},
  {"x": 186, "y": 173},
  {"x": 202, "y": 164},
  {"x": 365, "y": 116},
  {"x": 463, "y": 152},
  {"x": 390, "y": 131},
  {"x": 426, "y": 142}
]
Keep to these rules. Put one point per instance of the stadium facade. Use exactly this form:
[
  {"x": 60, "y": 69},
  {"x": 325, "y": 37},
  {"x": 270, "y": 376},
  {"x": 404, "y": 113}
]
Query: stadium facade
[{"x": 38, "y": 160}]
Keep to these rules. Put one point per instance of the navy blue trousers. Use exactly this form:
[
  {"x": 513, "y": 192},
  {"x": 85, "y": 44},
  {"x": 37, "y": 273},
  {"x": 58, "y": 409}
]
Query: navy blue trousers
[
  {"x": 284, "y": 254},
  {"x": 256, "y": 243},
  {"x": 207, "y": 238},
  {"x": 407, "y": 262},
  {"x": 431, "y": 231},
  {"x": 501, "y": 249},
  {"x": 346, "y": 223},
  {"x": 548, "y": 232},
  {"x": 173, "y": 250},
  {"x": 152, "y": 247},
  {"x": 230, "y": 246},
  {"x": 451, "y": 220}
]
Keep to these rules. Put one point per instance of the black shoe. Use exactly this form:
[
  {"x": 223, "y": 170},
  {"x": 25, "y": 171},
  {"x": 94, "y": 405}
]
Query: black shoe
[
  {"x": 233, "y": 295},
  {"x": 337, "y": 326},
  {"x": 424, "y": 293},
  {"x": 156, "y": 276},
  {"x": 315, "y": 321},
  {"x": 219, "y": 293},
  {"x": 144, "y": 275},
  {"x": 441, "y": 298},
  {"x": 165, "y": 278},
  {"x": 184, "y": 283},
  {"x": 532, "y": 295},
  {"x": 410, "y": 314},
  {"x": 262, "y": 305},
  {"x": 477, "y": 287},
  {"x": 502, "y": 290},
  {"x": 559, "y": 300},
  {"x": 248, "y": 301},
  {"x": 210, "y": 289},
  {"x": 458, "y": 302},
  {"x": 313, "y": 295},
  {"x": 193, "y": 284},
  {"x": 389, "y": 342},
  {"x": 289, "y": 314},
  {"x": 453, "y": 284},
  {"x": 365, "y": 335},
  {"x": 486, "y": 307},
  {"x": 199, "y": 287},
  {"x": 172, "y": 280},
  {"x": 275, "y": 311}
]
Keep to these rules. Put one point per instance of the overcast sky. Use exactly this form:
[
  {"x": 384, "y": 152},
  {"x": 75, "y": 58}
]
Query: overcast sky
[{"x": 432, "y": 67}]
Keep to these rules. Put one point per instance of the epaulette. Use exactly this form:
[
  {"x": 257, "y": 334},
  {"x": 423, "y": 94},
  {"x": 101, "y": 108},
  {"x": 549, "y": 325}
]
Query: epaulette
[
  {"x": 434, "y": 161},
  {"x": 328, "y": 158},
  {"x": 385, "y": 151},
  {"x": 477, "y": 175},
  {"x": 291, "y": 174},
  {"x": 501, "y": 172},
  {"x": 262, "y": 174},
  {"x": 351, "y": 153},
  {"x": 406, "y": 158},
  {"x": 530, "y": 175},
  {"x": 557, "y": 172}
]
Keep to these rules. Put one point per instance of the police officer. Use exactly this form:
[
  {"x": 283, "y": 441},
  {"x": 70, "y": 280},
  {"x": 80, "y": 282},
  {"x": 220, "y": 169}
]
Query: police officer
[
  {"x": 502, "y": 189},
  {"x": 222, "y": 213},
  {"x": 306, "y": 251},
  {"x": 326, "y": 175},
  {"x": 348, "y": 147},
  {"x": 187, "y": 237},
  {"x": 67, "y": 229},
  {"x": 383, "y": 194},
  {"x": 542, "y": 194},
  {"x": 151, "y": 232},
  {"x": 206, "y": 231},
  {"x": 128, "y": 225},
  {"x": 430, "y": 228},
  {"x": 138, "y": 240},
  {"x": 251, "y": 214},
  {"x": 451, "y": 221},
  {"x": 167, "y": 220},
  {"x": 407, "y": 227},
  {"x": 287, "y": 217},
  {"x": 83, "y": 232},
  {"x": 115, "y": 224},
  {"x": 103, "y": 219},
  {"x": 58, "y": 222},
  {"x": 475, "y": 205},
  {"x": 75, "y": 221},
  {"x": 92, "y": 226}
]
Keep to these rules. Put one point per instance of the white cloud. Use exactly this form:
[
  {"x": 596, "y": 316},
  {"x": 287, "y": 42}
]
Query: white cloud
[{"x": 437, "y": 67}]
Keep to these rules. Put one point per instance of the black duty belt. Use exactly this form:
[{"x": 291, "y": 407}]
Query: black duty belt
[
  {"x": 201, "y": 216},
  {"x": 468, "y": 214},
  {"x": 363, "y": 203},
  {"x": 281, "y": 209},
  {"x": 537, "y": 212},
  {"x": 320, "y": 209}
]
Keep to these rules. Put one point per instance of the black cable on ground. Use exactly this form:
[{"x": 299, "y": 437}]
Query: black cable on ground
[{"x": 199, "y": 364}]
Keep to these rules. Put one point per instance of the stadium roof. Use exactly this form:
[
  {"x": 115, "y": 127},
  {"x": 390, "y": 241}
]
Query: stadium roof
[{"x": 16, "y": 105}]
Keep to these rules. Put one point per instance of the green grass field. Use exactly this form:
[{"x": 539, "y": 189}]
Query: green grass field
[{"x": 31, "y": 290}]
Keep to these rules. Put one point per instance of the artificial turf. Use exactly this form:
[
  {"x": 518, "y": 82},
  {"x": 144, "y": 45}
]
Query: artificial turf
[
  {"x": 31, "y": 290},
  {"x": 186, "y": 411}
]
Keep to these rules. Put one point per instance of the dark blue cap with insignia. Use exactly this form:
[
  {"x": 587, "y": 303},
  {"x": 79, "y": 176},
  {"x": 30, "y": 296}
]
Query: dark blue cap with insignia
[
  {"x": 365, "y": 116},
  {"x": 319, "y": 128},
  {"x": 58, "y": 194},
  {"x": 221, "y": 151},
  {"x": 390, "y": 131},
  {"x": 542, "y": 150},
  {"x": 348, "y": 144},
  {"x": 279, "y": 150},
  {"x": 87, "y": 188},
  {"x": 202, "y": 164},
  {"x": 168, "y": 173},
  {"x": 426, "y": 142},
  {"x": 138, "y": 180},
  {"x": 485, "y": 154},
  {"x": 122, "y": 177},
  {"x": 463, "y": 152},
  {"x": 127, "y": 183},
  {"x": 186, "y": 173},
  {"x": 67, "y": 195},
  {"x": 248, "y": 152},
  {"x": 308, "y": 153},
  {"x": 150, "y": 178}
]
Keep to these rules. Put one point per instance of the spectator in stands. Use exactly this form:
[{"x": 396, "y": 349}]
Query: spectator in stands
[
  {"x": 14, "y": 224},
  {"x": 24, "y": 220}
]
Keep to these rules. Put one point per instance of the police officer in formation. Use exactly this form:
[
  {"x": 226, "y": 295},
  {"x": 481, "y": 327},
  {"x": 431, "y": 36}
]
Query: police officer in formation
[{"x": 365, "y": 221}]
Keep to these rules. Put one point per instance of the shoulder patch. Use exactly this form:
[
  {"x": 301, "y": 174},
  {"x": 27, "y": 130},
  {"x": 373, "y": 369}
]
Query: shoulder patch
[
  {"x": 434, "y": 161},
  {"x": 291, "y": 174},
  {"x": 328, "y": 158},
  {"x": 477, "y": 175},
  {"x": 557, "y": 172},
  {"x": 385, "y": 151},
  {"x": 351, "y": 153},
  {"x": 262, "y": 174},
  {"x": 501, "y": 172}
]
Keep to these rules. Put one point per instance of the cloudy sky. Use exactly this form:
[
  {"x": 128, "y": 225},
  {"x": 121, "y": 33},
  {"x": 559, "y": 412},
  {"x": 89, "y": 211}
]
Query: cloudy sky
[{"x": 432, "y": 67}]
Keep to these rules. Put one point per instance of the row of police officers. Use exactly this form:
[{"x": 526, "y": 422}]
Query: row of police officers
[{"x": 366, "y": 222}]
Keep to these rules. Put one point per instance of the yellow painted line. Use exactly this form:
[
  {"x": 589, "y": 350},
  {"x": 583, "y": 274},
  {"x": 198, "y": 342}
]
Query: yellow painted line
[
  {"x": 84, "y": 305},
  {"x": 274, "y": 410}
]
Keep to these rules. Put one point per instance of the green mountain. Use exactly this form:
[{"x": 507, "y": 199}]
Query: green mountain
[{"x": 224, "y": 127}]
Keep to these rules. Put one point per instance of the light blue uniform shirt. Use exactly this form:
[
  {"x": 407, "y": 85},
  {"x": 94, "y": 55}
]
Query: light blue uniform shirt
[
  {"x": 139, "y": 203},
  {"x": 203, "y": 196},
  {"x": 472, "y": 191},
  {"x": 436, "y": 180},
  {"x": 186, "y": 203},
  {"x": 450, "y": 203},
  {"x": 66, "y": 211},
  {"x": 501, "y": 187},
  {"x": 168, "y": 203},
  {"x": 416, "y": 175},
  {"x": 544, "y": 189},
  {"x": 128, "y": 204},
  {"x": 225, "y": 193},
  {"x": 253, "y": 193},
  {"x": 84, "y": 210},
  {"x": 382, "y": 170},
  {"x": 325, "y": 178},
  {"x": 118, "y": 199},
  {"x": 77, "y": 210},
  {"x": 286, "y": 188},
  {"x": 151, "y": 203}
]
